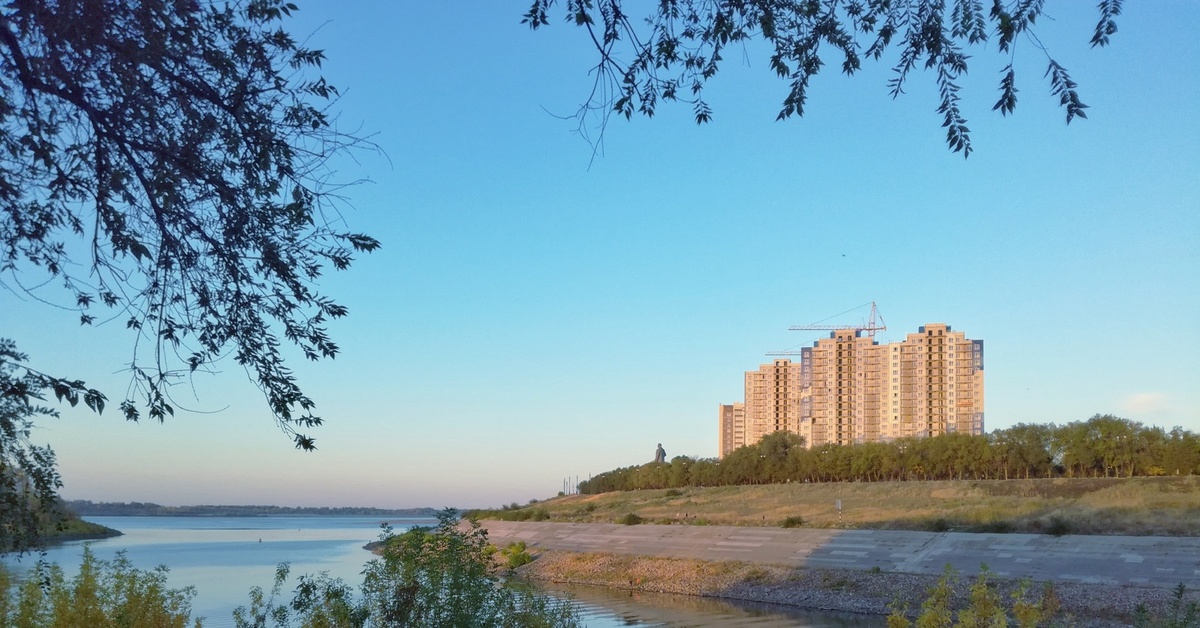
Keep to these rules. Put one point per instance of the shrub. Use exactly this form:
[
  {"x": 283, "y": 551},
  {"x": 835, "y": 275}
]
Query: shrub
[
  {"x": 1059, "y": 526},
  {"x": 437, "y": 577},
  {"x": 935, "y": 610},
  {"x": 525, "y": 514},
  {"x": 1180, "y": 615},
  {"x": 835, "y": 582},
  {"x": 630, "y": 519},
  {"x": 104, "y": 593},
  {"x": 984, "y": 606},
  {"x": 1029, "y": 614},
  {"x": 998, "y": 527},
  {"x": 794, "y": 521},
  {"x": 756, "y": 575},
  {"x": 516, "y": 555}
]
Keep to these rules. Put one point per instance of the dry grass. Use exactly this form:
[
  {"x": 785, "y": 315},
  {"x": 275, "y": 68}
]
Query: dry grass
[
  {"x": 1135, "y": 506},
  {"x": 675, "y": 575}
]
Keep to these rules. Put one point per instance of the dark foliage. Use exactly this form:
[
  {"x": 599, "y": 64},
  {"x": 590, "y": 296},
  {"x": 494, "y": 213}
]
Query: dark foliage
[
  {"x": 672, "y": 53},
  {"x": 166, "y": 162},
  {"x": 793, "y": 521},
  {"x": 29, "y": 481}
]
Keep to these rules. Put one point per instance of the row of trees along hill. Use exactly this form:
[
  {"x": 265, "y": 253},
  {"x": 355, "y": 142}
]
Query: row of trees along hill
[{"x": 1102, "y": 446}]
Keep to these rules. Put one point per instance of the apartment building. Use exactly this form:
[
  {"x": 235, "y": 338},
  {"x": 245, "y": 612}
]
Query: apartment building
[
  {"x": 733, "y": 427},
  {"x": 849, "y": 389},
  {"x": 773, "y": 400},
  {"x": 937, "y": 383}
]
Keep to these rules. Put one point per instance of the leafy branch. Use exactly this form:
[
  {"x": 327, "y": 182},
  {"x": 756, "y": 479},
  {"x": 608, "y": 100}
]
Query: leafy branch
[{"x": 672, "y": 53}]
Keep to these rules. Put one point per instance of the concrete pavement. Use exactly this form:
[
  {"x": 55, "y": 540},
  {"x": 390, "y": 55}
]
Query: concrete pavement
[{"x": 1132, "y": 560}]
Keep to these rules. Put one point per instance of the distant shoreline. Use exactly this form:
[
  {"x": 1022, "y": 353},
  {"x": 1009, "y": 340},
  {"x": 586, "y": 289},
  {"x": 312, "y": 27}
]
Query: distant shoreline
[
  {"x": 259, "y": 516},
  {"x": 84, "y": 536},
  {"x": 88, "y": 508}
]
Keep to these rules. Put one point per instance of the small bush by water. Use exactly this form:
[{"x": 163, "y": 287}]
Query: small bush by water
[
  {"x": 437, "y": 577},
  {"x": 515, "y": 555}
]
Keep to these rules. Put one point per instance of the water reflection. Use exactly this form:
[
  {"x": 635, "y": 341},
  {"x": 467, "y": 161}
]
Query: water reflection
[
  {"x": 606, "y": 608},
  {"x": 223, "y": 557}
]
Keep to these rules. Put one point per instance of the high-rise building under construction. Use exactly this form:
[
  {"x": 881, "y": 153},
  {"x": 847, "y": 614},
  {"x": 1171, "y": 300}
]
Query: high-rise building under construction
[{"x": 849, "y": 389}]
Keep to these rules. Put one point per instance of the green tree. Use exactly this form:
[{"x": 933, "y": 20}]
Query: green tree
[
  {"x": 865, "y": 461},
  {"x": 672, "y": 53},
  {"x": 1181, "y": 453},
  {"x": 1029, "y": 449},
  {"x": 164, "y": 162},
  {"x": 742, "y": 466},
  {"x": 1151, "y": 451},
  {"x": 1114, "y": 439},
  {"x": 29, "y": 480},
  {"x": 706, "y": 472},
  {"x": 774, "y": 453},
  {"x": 1080, "y": 456},
  {"x": 679, "y": 474}
]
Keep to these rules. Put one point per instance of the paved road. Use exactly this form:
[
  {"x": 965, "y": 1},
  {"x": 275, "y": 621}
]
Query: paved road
[{"x": 1134, "y": 560}]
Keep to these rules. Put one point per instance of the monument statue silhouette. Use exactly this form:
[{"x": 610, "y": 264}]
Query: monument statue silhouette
[{"x": 661, "y": 454}]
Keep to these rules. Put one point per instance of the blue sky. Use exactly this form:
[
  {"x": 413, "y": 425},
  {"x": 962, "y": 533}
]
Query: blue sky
[{"x": 536, "y": 314}]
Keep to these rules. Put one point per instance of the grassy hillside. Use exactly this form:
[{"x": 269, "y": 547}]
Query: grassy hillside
[{"x": 1134, "y": 506}]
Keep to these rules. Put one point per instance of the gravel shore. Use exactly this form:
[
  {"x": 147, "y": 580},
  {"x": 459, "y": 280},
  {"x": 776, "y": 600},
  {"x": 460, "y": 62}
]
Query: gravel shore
[{"x": 831, "y": 589}]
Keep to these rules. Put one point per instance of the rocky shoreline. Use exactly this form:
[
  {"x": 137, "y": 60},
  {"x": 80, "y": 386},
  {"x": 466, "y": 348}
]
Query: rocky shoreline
[{"x": 869, "y": 592}]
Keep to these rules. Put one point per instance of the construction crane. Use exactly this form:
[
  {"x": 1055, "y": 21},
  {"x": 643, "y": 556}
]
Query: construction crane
[{"x": 871, "y": 326}]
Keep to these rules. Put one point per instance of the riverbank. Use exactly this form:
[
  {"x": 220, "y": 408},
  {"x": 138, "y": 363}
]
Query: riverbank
[
  {"x": 79, "y": 530},
  {"x": 1150, "y": 506},
  {"x": 841, "y": 590}
]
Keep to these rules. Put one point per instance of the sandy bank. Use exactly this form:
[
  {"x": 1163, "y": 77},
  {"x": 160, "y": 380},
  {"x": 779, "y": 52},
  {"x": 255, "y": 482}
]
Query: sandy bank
[{"x": 824, "y": 589}]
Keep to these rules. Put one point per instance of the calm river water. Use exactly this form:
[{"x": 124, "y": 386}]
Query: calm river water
[{"x": 223, "y": 557}]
